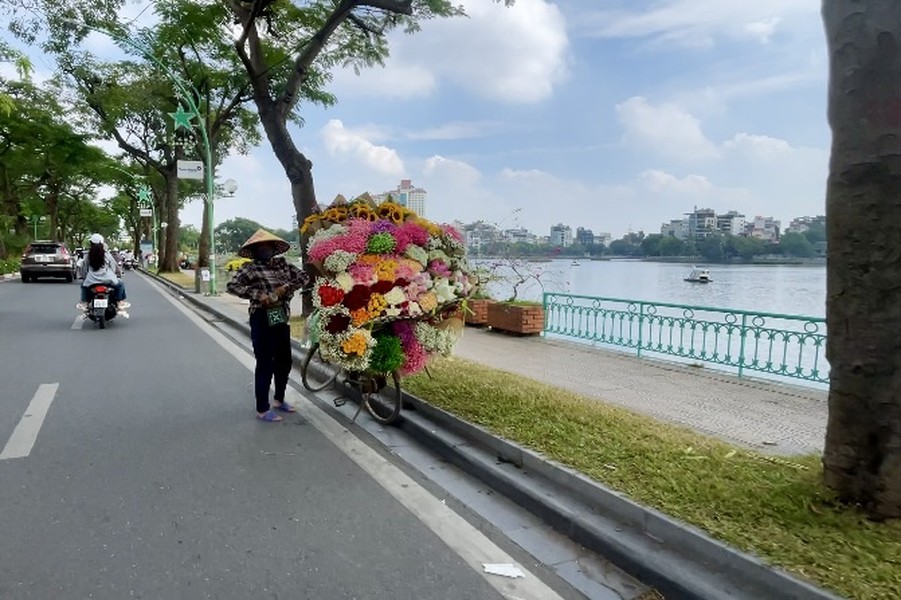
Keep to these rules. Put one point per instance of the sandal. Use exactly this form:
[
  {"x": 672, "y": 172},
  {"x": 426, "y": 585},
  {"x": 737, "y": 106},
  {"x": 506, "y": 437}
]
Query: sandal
[
  {"x": 285, "y": 407},
  {"x": 269, "y": 416}
]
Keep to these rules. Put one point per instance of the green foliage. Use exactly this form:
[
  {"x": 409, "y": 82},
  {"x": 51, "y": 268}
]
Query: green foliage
[
  {"x": 231, "y": 234},
  {"x": 388, "y": 354},
  {"x": 9, "y": 265},
  {"x": 671, "y": 246},
  {"x": 796, "y": 244}
]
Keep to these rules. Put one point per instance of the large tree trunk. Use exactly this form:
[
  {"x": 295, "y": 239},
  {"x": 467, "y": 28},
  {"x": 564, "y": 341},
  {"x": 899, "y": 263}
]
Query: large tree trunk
[
  {"x": 169, "y": 259},
  {"x": 298, "y": 167},
  {"x": 203, "y": 244},
  {"x": 862, "y": 459}
]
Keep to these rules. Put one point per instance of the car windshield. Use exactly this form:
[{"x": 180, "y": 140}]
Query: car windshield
[{"x": 44, "y": 249}]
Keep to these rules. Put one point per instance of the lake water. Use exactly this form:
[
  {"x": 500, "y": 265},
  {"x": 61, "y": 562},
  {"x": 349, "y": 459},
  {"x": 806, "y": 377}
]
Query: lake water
[{"x": 784, "y": 289}]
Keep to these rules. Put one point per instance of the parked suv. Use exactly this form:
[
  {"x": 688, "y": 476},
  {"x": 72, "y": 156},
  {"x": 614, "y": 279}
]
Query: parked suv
[{"x": 47, "y": 259}]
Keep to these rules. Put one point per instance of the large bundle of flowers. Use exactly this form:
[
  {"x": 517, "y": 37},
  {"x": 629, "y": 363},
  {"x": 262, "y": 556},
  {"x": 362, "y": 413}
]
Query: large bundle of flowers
[{"x": 390, "y": 288}]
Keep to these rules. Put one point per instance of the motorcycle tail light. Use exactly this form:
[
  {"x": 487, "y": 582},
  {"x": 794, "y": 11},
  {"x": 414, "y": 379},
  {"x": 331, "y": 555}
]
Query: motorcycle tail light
[{"x": 100, "y": 289}]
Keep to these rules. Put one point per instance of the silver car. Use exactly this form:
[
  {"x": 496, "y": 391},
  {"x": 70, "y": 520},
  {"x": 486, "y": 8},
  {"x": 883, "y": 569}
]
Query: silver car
[{"x": 47, "y": 259}]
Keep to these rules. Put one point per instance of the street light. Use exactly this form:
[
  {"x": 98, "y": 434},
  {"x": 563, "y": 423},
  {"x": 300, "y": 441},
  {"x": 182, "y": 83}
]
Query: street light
[{"x": 187, "y": 94}]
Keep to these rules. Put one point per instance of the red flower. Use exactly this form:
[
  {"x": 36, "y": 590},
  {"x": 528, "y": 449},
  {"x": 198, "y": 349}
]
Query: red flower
[
  {"x": 382, "y": 287},
  {"x": 337, "y": 324},
  {"x": 357, "y": 297},
  {"x": 330, "y": 296}
]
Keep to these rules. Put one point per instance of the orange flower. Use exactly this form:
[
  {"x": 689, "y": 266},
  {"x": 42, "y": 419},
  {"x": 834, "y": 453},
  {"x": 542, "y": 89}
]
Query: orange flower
[
  {"x": 356, "y": 344},
  {"x": 377, "y": 304},
  {"x": 385, "y": 270},
  {"x": 428, "y": 302},
  {"x": 359, "y": 316}
]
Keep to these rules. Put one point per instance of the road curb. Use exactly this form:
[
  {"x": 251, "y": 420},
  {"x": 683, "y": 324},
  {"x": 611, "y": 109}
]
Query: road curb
[{"x": 678, "y": 559}]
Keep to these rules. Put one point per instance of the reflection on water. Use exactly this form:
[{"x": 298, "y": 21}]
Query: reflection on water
[{"x": 784, "y": 289}]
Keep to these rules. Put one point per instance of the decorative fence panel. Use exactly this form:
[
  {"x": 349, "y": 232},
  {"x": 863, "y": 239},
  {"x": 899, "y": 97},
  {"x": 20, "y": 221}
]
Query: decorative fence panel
[{"x": 781, "y": 345}]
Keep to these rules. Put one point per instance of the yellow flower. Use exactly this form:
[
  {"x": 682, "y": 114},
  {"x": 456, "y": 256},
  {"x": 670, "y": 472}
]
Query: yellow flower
[
  {"x": 356, "y": 344},
  {"x": 428, "y": 302},
  {"x": 385, "y": 270},
  {"x": 432, "y": 228},
  {"x": 308, "y": 222},
  {"x": 377, "y": 304}
]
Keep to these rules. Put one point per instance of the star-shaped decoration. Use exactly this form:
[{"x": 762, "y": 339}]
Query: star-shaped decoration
[
  {"x": 144, "y": 194},
  {"x": 182, "y": 118}
]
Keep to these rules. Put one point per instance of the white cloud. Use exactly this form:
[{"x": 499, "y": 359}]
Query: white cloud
[
  {"x": 762, "y": 31},
  {"x": 662, "y": 182},
  {"x": 352, "y": 145},
  {"x": 512, "y": 54},
  {"x": 438, "y": 167},
  {"x": 761, "y": 147},
  {"x": 694, "y": 22},
  {"x": 665, "y": 128}
]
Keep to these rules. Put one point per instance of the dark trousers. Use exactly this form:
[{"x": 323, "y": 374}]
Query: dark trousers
[
  {"x": 272, "y": 349},
  {"x": 120, "y": 292}
]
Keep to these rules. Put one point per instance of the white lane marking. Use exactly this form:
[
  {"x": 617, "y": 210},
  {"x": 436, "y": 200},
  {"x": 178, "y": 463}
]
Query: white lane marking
[
  {"x": 464, "y": 539},
  {"x": 26, "y": 432},
  {"x": 79, "y": 322}
]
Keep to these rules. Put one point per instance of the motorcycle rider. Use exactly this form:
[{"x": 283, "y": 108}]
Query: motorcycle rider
[{"x": 100, "y": 267}]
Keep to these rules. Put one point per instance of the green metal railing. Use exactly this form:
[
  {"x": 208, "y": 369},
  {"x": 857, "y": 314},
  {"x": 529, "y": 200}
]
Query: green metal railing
[{"x": 782, "y": 345}]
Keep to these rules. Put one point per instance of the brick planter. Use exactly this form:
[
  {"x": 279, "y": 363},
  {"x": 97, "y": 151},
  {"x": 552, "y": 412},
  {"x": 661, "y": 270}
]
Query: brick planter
[
  {"x": 524, "y": 319},
  {"x": 479, "y": 314}
]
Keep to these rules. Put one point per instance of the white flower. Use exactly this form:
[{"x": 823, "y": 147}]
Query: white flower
[
  {"x": 414, "y": 309},
  {"x": 345, "y": 281},
  {"x": 418, "y": 254},
  {"x": 339, "y": 260},
  {"x": 395, "y": 296},
  {"x": 392, "y": 312},
  {"x": 444, "y": 291}
]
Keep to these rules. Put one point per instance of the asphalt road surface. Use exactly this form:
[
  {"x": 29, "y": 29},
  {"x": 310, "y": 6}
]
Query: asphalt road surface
[{"x": 131, "y": 466}]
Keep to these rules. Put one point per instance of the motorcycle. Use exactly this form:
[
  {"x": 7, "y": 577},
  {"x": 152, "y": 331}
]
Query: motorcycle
[{"x": 100, "y": 306}]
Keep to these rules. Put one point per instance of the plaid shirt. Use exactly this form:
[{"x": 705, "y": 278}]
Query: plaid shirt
[{"x": 255, "y": 280}]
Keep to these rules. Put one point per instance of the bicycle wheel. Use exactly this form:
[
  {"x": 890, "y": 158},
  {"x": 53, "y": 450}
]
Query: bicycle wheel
[
  {"x": 328, "y": 371},
  {"x": 384, "y": 405}
]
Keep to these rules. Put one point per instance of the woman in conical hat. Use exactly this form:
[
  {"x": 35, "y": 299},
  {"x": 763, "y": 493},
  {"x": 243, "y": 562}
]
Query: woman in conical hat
[
  {"x": 269, "y": 282},
  {"x": 262, "y": 237}
]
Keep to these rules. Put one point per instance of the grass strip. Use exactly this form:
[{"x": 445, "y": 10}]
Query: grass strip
[
  {"x": 180, "y": 279},
  {"x": 775, "y": 508}
]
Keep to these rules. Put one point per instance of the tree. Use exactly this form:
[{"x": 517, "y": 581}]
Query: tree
[
  {"x": 862, "y": 457},
  {"x": 711, "y": 247},
  {"x": 671, "y": 246},
  {"x": 796, "y": 244},
  {"x": 650, "y": 245},
  {"x": 233, "y": 233},
  {"x": 288, "y": 49}
]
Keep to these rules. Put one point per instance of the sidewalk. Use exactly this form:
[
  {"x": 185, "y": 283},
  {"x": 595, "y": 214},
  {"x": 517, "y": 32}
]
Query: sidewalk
[{"x": 769, "y": 417}]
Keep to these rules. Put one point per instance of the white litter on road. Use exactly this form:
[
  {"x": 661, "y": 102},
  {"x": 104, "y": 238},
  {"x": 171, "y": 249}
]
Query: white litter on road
[{"x": 503, "y": 569}]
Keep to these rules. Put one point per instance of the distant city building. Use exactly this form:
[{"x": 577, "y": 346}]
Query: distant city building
[
  {"x": 405, "y": 194},
  {"x": 585, "y": 236},
  {"x": 763, "y": 228},
  {"x": 802, "y": 224},
  {"x": 520, "y": 235},
  {"x": 677, "y": 228},
  {"x": 603, "y": 238},
  {"x": 701, "y": 222},
  {"x": 561, "y": 235},
  {"x": 732, "y": 223}
]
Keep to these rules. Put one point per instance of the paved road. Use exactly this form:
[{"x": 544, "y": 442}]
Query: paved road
[{"x": 131, "y": 467}]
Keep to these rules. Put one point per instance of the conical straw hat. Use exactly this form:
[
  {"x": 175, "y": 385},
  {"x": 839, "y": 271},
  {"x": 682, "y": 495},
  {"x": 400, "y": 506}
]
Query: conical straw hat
[{"x": 281, "y": 246}]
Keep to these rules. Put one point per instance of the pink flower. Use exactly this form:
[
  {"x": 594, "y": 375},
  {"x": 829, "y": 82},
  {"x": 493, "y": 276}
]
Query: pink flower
[
  {"x": 410, "y": 233},
  {"x": 415, "y": 356},
  {"x": 451, "y": 231},
  {"x": 438, "y": 267},
  {"x": 362, "y": 273}
]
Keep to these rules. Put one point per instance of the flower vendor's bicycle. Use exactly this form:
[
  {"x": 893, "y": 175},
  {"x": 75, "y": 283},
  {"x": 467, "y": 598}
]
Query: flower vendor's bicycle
[{"x": 382, "y": 402}]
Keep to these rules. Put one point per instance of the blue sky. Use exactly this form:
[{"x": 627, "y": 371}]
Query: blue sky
[{"x": 611, "y": 115}]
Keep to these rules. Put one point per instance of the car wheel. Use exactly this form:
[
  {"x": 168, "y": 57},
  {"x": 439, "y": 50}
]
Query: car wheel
[
  {"x": 25, "y": 278},
  {"x": 70, "y": 278}
]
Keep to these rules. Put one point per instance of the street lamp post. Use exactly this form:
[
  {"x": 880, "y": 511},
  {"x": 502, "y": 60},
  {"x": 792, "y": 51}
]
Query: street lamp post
[
  {"x": 187, "y": 94},
  {"x": 34, "y": 221}
]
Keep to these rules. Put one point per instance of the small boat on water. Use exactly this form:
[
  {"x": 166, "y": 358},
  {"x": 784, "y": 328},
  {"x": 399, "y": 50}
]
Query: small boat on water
[
  {"x": 699, "y": 276},
  {"x": 575, "y": 263}
]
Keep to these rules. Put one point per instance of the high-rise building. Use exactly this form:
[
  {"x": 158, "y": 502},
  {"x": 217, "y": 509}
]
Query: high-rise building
[
  {"x": 561, "y": 235},
  {"x": 405, "y": 194},
  {"x": 701, "y": 222},
  {"x": 732, "y": 223}
]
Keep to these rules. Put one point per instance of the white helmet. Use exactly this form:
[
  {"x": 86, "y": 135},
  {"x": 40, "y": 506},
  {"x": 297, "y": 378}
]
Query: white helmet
[{"x": 96, "y": 238}]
